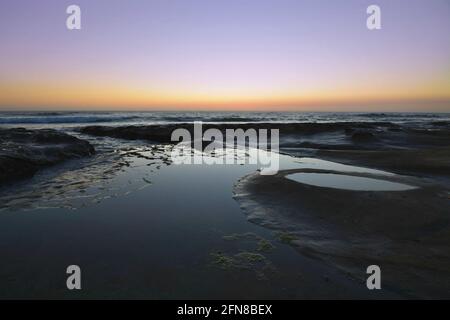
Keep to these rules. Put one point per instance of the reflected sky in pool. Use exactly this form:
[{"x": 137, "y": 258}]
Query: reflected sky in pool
[{"x": 347, "y": 182}]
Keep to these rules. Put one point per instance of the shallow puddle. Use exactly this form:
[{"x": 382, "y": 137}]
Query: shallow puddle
[{"x": 346, "y": 182}]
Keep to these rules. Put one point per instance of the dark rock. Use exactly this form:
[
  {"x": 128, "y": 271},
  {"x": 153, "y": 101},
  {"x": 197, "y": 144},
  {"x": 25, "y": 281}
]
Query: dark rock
[
  {"x": 344, "y": 227},
  {"x": 154, "y": 133},
  {"x": 162, "y": 133},
  {"x": 362, "y": 135},
  {"x": 320, "y": 136},
  {"x": 23, "y": 152},
  {"x": 349, "y": 131},
  {"x": 441, "y": 123}
]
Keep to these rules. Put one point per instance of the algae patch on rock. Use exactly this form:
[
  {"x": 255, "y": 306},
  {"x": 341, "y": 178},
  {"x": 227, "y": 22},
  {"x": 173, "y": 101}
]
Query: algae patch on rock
[
  {"x": 249, "y": 258},
  {"x": 285, "y": 237},
  {"x": 261, "y": 244}
]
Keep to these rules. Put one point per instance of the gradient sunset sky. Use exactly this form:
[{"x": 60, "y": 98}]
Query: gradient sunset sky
[{"x": 225, "y": 55}]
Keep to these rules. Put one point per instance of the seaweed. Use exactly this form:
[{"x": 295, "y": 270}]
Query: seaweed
[{"x": 285, "y": 237}]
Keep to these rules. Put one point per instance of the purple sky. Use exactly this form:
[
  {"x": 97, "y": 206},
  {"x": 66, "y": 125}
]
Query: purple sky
[{"x": 224, "y": 54}]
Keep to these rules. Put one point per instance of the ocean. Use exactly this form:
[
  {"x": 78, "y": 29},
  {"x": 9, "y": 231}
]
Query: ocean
[{"x": 42, "y": 119}]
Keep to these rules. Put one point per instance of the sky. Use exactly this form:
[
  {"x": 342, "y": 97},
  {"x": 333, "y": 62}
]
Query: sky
[{"x": 225, "y": 55}]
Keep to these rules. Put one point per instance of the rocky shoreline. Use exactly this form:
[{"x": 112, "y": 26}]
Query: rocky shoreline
[
  {"x": 404, "y": 232},
  {"x": 401, "y": 148},
  {"x": 374, "y": 133},
  {"x": 23, "y": 152}
]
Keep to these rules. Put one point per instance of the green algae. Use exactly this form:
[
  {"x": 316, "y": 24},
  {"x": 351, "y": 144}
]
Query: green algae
[
  {"x": 285, "y": 237},
  {"x": 265, "y": 246},
  {"x": 250, "y": 257}
]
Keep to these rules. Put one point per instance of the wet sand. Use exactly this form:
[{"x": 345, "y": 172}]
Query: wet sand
[{"x": 406, "y": 233}]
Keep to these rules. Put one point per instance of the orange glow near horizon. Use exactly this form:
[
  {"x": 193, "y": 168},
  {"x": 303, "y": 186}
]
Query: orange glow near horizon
[{"x": 115, "y": 97}]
